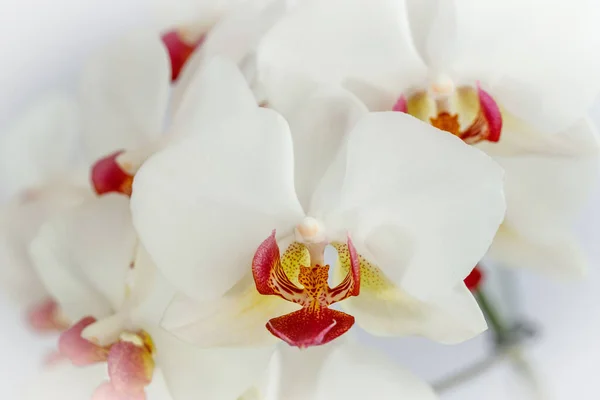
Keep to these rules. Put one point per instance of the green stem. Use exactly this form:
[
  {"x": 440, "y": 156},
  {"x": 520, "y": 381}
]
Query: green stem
[{"x": 499, "y": 329}]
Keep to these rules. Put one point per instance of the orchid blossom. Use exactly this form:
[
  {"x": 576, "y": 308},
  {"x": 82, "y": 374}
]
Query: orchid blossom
[
  {"x": 89, "y": 260},
  {"x": 41, "y": 175},
  {"x": 514, "y": 84},
  {"x": 237, "y": 215}
]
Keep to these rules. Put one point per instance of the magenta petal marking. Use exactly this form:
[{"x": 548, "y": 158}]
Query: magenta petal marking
[
  {"x": 106, "y": 391},
  {"x": 80, "y": 351},
  {"x": 130, "y": 367},
  {"x": 44, "y": 317},
  {"x": 401, "y": 105},
  {"x": 491, "y": 113},
  {"x": 179, "y": 51}
]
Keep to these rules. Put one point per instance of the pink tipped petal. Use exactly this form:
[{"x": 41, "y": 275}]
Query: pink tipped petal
[
  {"x": 491, "y": 113},
  {"x": 80, "y": 351},
  {"x": 130, "y": 365},
  {"x": 305, "y": 327},
  {"x": 401, "y": 105},
  {"x": 109, "y": 177},
  {"x": 106, "y": 391},
  {"x": 46, "y": 317},
  {"x": 179, "y": 51}
]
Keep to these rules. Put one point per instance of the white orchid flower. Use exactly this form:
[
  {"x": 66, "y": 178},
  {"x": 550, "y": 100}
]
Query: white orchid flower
[
  {"x": 421, "y": 209},
  {"x": 89, "y": 261},
  {"x": 515, "y": 84},
  {"x": 40, "y": 176}
]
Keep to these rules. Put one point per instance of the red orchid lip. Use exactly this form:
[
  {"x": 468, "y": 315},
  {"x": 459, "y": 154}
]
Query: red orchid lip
[{"x": 314, "y": 324}]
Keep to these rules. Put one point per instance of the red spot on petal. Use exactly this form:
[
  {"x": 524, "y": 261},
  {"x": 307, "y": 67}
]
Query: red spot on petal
[
  {"x": 45, "y": 317},
  {"x": 79, "y": 350},
  {"x": 491, "y": 113},
  {"x": 179, "y": 51},
  {"x": 474, "y": 279},
  {"x": 109, "y": 177},
  {"x": 106, "y": 391},
  {"x": 130, "y": 366},
  {"x": 305, "y": 327},
  {"x": 401, "y": 105}
]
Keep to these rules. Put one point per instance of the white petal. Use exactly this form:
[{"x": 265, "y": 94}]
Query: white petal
[
  {"x": 550, "y": 90},
  {"x": 238, "y": 319},
  {"x": 124, "y": 94},
  {"x": 210, "y": 93},
  {"x": 19, "y": 223},
  {"x": 347, "y": 371},
  {"x": 448, "y": 318},
  {"x": 433, "y": 28},
  {"x": 204, "y": 204},
  {"x": 546, "y": 188},
  {"x": 41, "y": 143},
  {"x": 375, "y": 98},
  {"x": 218, "y": 374},
  {"x": 418, "y": 202},
  {"x": 372, "y": 43},
  {"x": 84, "y": 256},
  {"x": 560, "y": 256},
  {"x": 319, "y": 126},
  {"x": 66, "y": 382}
]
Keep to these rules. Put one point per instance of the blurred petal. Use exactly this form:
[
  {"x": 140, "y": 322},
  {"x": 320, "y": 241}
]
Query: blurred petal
[
  {"x": 41, "y": 144},
  {"x": 319, "y": 125},
  {"x": 209, "y": 94},
  {"x": 84, "y": 256},
  {"x": 204, "y": 204},
  {"x": 433, "y": 29},
  {"x": 551, "y": 90},
  {"x": 124, "y": 94},
  {"x": 347, "y": 371},
  {"x": 64, "y": 381},
  {"x": 19, "y": 223},
  {"x": 368, "y": 42},
  {"x": 425, "y": 227},
  {"x": 545, "y": 193},
  {"x": 560, "y": 255},
  {"x": 218, "y": 373}
]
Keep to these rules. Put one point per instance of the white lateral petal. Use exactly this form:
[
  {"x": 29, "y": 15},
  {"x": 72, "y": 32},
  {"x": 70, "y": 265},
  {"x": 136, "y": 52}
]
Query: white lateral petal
[
  {"x": 204, "y": 204},
  {"x": 83, "y": 256},
  {"x": 348, "y": 371},
  {"x": 19, "y": 224},
  {"x": 40, "y": 144},
  {"x": 448, "y": 318},
  {"x": 66, "y": 382},
  {"x": 319, "y": 126},
  {"x": 124, "y": 94},
  {"x": 238, "y": 319},
  {"x": 375, "y": 98},
  {"x": 219, "y": 373},
  {"x": 418, "y": 202},
  {"x": 368, "y": 42},
  {"x": 210, "y": 93}
]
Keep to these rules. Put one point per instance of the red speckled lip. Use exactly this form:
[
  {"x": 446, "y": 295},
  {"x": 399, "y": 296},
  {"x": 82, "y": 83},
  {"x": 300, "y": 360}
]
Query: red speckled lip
[
  {"x": 474, "y": 279},
  {"x": 315, "y": 324}
]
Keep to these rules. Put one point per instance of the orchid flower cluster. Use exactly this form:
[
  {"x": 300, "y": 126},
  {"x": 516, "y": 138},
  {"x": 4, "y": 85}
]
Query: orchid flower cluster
[{"x": 189, "y": 220}]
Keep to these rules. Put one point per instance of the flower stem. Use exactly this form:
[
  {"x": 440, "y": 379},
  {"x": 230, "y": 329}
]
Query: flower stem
[{"x": 499, "y": 329}]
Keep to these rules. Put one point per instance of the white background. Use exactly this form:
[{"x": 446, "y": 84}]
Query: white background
[{"x": 42, "y": 45}]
